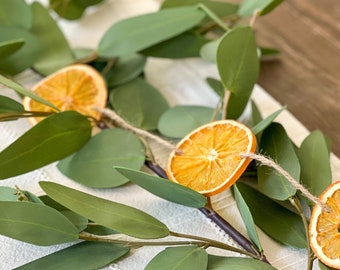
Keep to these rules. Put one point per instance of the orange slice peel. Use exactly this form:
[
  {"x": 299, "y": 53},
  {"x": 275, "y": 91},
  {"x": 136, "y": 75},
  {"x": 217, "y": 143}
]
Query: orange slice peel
[
  {"x": 76, "y": 87},
  {"x": 208, "y": 159}
]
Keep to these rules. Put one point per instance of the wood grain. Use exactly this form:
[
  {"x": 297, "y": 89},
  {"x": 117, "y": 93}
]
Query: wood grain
[{"x": 305, "y": 77}]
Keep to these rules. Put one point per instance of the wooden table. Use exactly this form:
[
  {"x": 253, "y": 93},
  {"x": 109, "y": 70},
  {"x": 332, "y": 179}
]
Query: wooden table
[{"x": 306, "y": 75}]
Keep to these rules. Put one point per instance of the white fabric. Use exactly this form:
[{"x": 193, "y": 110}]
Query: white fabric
[{"x": 181, "y": 82}]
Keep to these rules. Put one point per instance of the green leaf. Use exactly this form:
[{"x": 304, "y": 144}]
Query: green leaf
[
  {"x": 10, "y": 46},
  {"x": 209, "y": 50},
  {"x": 15, "y": 13},
  {"x": 140, "y": 32},
  {"x": 116, "y": 216},
  {"x": 275, "y": 220},
  {"x": 139, "y": 103},
  {"x": 248, "y": 7},
  {"x": 55, "y": 137},
  {"x": 184, "y": 45},
  {"x": 165, "y": 189},
  {"x": 23, "y": 58},
  {"x": 256, "y": 116},
  {"x": 259, "y": 127},
  {"x": 247, "y": 218},
  {"x": 85, "y": 256},
  {"x": 236, "y": 263},
  {"x": 10, "y": 105},
  {"x": 93, "y": 164},
  {"x": 99, "y": 230},
  {"x": 277, "y": 145},
  {"x": 23, "y": 91},
  {"x": 313, "y": 155},
  {"x": 8, "y": 194},
  {"x": 268, "y": 53},
  {"x": 238, "y": 66},
  {"x": 184, "y": 257},
  {"x": 35, "y": 223},
  {"x": 178, "y": 121},
  {"x": 217, "y": 86},
  {"x": 126, "y": 69},
  {"x": 56, "y": 51}
]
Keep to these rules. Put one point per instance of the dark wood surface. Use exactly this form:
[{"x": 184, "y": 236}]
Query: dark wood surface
[{"x": 306, "y": 75}]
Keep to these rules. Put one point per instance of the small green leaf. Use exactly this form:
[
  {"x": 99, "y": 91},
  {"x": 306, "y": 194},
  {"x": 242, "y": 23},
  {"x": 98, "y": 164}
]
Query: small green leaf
[
  {"x": 15, "y": 13},
  {"x": 55, "y": 137},
  {"x": 248, "y": 7},
  {"x": 126, "y": 69},
  {"x": 93, "y": 164},
  {"x": 247, "y": 218},
  {"x": 209, "y": 50},
  {"x": 238, "y": 66},
  {"x": 139, "y": 103},
  {"x": 274, "y": 219},
  {"x": 8, "y": 194},
  {"x": 277, "y": 145},
  {"x": 21, "y": 90},
  {"x": 313, "y": 155},
  {"x": 10, "y": 105},
  {"x": 165, "y": 189},
  {"x": 23, "y": 58},
  {"x": 259, "y": 127},
  {"x": 35, "y": 223},
  {"x": 185, "y": 257},
  {"x": 56, "y": 52},
  {"x": 256, "y": 116},
  {"x": 84, "y": 256},
  {"x": 116, "y": 216},
  {"x": 188, "y": 44},
  {"x": 77, "y": 220},
  {"x": 178, "y": 121},
  {"x": 10, "y": 46},
  {"x": 98, "y": 229},
  {"x": 236, "y": 263},
  {"x": 140, "y": 32}
]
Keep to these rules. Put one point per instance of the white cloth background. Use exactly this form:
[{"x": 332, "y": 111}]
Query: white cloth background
[{"x": 181, "y": 82}]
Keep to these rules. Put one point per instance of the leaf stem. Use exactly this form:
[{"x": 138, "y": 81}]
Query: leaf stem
[
  {"x": 226, "y": 98},
  {"x": 214, "y": 17}
]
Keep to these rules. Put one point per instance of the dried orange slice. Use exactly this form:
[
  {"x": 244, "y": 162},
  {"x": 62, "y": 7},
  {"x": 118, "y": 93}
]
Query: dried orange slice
[
  {"x": 208, "y": 159},
  {"x": 76, "y": 87},
  {"x": 324, "y": 227}
]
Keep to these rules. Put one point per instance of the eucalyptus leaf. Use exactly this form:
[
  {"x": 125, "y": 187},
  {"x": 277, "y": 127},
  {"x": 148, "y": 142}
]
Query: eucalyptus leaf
[
  {"x": 208, "y": 51},
  {"x": 84, "y": 256},
  {"x": 165, "y": 189},
  {"x": 275, "y": 220},
  {"x": 260, "y": 126},
  {"x": 139, "y": 103},
  {"x": 116, "y": 216},
  {"x": 56, "y": 51},
  {"x": 248, "y": 7},
  {"x": 35, "y": 223},
  {"x": 8, "y": 194},
  {"x": 77, "y": 220},
  {"x": 23, "y": 91},
  {"x": 23, "y": 58},
  {"x": 256, "y": 116},
  {"x": 98, "y": 229},
  {"x": 140, "y": 32},
  {"x": 238, "y": 66},
  {"x": 247, "y": 218},
  {"x": 127, "y": 68},
  {"x": 10, "y": 105},
  {"x": 10, "y": 46},
  {"x": 93, "y": 164},
  {"x": 181, "y": 258},
  {"x": 185, "y": 45},
  {"x": 217, "y": 86},
  {"x": 276, "y": 144},
  {"x": 178, "y": 121},
  {"x": 236, "y": 263},
  {"x": 323, "y": 266},
  {"x": 15, "y": 13},
  {"x": 268, "y": 53},
  {"x": 313, "y": 155},
  {"x": 54, "y": 138}
]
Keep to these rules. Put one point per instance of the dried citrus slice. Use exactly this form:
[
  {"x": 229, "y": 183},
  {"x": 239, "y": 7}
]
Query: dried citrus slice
[
  {"x": 208, "y": 159},
  {"x": 324, "y": 227},
  {"x": 76, "y": 87}
]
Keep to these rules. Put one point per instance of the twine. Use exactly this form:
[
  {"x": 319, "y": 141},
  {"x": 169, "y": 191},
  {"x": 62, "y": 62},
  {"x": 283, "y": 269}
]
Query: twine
[{"x": 270, "y": 163}]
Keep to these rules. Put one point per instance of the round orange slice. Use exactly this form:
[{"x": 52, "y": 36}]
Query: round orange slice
[
  {"x": 324, "y": 227},
  {"x": 77, "y": 87},
  {"x": 208, "y": 159}
]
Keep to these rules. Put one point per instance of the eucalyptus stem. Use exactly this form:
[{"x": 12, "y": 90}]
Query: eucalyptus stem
[
  {"x": 214, "y": 17},
  {"x": 225, "y": 103}
]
